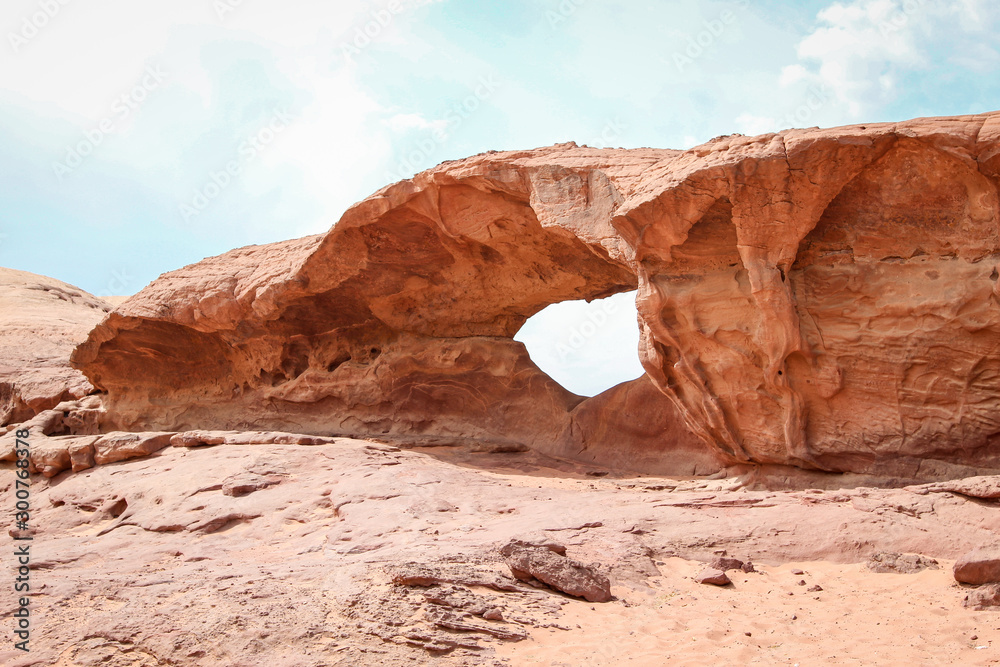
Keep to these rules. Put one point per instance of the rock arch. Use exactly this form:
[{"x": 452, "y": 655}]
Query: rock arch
[{"x": 398, "y": 322}]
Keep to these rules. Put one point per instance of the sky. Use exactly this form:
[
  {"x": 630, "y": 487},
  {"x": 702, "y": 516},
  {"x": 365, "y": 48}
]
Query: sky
[{"x": 138, "y": 137}]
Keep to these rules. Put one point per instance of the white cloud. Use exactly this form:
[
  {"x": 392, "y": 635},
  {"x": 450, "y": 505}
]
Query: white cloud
[
  {"x": 859, "y": 48},
  {"x": 404, "y": 122},
  {"x": 77, "y": 66}
]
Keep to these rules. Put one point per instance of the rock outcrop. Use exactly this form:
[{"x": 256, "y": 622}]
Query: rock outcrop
[
  {"x": 826, "y": 299},
  {"x": 43, "y": 320}
]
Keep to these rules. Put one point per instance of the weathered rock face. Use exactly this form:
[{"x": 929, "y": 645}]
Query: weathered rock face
[
  {"x": 820, "y": 298},
  {"x": 41, "y": 321}
]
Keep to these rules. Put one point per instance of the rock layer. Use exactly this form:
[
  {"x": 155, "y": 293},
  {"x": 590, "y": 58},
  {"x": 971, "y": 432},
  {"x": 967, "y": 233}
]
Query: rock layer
[{"x": 820, "y": 298}]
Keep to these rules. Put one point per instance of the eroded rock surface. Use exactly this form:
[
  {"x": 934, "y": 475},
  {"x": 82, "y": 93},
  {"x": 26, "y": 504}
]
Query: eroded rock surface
[
  {"x": 41, "y": 321},
  {"x": 819, "y": 298}
]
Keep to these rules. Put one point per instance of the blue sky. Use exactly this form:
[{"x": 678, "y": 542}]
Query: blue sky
[{"x": 211, "y": 124}]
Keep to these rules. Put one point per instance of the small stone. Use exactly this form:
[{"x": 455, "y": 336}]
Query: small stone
[
  {"x": 493, "y": 615},
  {"x": 748, "y": 567},
  {"x": 797, "y": 572},
  {"x": 973, "y": 638},
  {"x": 800, "y": 582},
  {"x": 814, "y": 589},
  {"x": 748, "y": 634}
]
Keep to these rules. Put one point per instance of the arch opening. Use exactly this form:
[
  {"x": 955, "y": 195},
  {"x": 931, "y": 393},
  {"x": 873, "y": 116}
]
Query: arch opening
[{"x": 586, "y": 347}]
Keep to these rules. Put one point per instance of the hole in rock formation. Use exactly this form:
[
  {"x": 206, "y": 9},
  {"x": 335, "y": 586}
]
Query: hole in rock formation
[
  {"x": 117, "y": 508},
  {"x": 586, "y": 347}
]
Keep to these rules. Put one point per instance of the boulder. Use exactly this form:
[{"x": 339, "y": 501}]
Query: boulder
[
  {"x": 527, "y": 562},
  {"x": 979, "y": 566},
  {"x": 725, "y": 563},
  {"x": 713, "y": 576}
]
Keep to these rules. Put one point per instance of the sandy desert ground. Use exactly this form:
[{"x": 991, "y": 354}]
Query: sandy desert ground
[{"x": 286, "y": 555}]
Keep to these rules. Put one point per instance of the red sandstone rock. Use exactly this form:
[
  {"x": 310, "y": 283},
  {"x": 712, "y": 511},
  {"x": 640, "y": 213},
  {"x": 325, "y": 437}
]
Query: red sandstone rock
[
  {"x": 979, "y": 566},
  {"x": 983, "y": 598},
  {"x": 824, "y": 298},
  {"x": 986, "y": 487},
  {"x": 713, "y": 576},
  {"x": 245, "y": 484},
  {"x": 119, "y": 446},
  {"x": 724, "y": 563},
  {"x": 202, "y": 438},
  {"x": 41, "y": 321},
  {"x": 564, "y": 574},
  {"x": 48, "y": 458}
]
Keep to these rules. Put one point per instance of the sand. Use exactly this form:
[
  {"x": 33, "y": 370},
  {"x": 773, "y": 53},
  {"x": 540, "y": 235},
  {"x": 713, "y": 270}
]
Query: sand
[{"x": 767, "y": 618}]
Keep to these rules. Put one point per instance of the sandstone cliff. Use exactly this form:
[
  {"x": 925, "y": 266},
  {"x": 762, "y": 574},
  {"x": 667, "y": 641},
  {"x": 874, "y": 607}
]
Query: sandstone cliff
[
  {"x": 43, "y": 320},
  {"x": 826, "y": 299}
]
